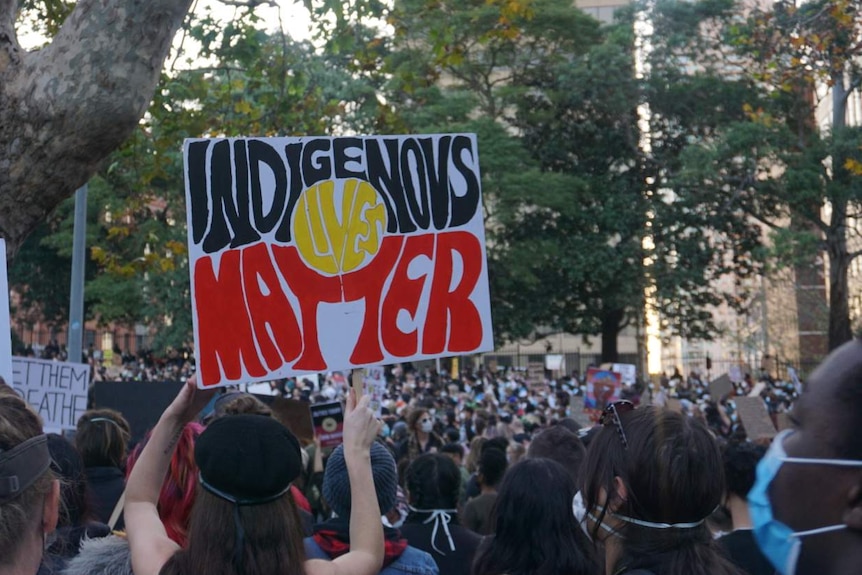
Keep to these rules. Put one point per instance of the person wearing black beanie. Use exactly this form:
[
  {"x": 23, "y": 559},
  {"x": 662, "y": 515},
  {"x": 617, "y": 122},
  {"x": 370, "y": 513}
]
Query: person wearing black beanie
[{"x": 244, "y": 520}]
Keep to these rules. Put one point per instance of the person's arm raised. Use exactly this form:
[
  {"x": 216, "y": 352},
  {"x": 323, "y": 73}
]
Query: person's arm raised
[
  {"x": 149, "y": 542},
  {"x": 366, "y": 528}
]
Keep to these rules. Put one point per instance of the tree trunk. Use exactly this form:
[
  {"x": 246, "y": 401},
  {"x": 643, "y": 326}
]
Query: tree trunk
[
  {"x": 840, "y": 330},
  {"x": 66, "y": 107},
  {"x": 612, "y": 319}
]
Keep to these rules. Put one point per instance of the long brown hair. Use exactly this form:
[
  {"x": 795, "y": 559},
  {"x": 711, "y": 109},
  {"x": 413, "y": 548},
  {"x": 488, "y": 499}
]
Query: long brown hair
[
  {"x": 18, "y": 423},
  {"x": 102, "y": 437},
  {"x": 272, "y": 540},
  {"x": 672, "y": 470}
]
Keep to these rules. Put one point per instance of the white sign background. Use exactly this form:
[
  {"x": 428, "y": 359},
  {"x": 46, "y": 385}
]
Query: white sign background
[
  {"x": 56, "y": 390},
  {"x": 5, "y": 323},
  {"x": 311, "y": 186}
]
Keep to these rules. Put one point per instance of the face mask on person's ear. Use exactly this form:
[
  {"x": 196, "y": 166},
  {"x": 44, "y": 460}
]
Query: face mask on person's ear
[
  {"x": 779, "y": 543},
  {"x": 581, "y": 514}
]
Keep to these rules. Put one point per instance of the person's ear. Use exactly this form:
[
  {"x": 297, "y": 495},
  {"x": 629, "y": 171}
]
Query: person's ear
[
  {"x": 621, "y": 494},
  {"x": 51, "y": 509},
  {"x": 853, "y": 512}
]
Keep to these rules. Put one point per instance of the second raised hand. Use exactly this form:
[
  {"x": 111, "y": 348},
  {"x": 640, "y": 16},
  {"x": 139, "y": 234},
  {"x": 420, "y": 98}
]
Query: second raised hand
[{"x": 361, "y": 428}]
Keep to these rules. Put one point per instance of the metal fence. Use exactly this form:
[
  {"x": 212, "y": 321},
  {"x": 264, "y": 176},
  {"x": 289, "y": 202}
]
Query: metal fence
[
  {"x": 37, "y": 339},
  {"x": 572, "y": 361}
]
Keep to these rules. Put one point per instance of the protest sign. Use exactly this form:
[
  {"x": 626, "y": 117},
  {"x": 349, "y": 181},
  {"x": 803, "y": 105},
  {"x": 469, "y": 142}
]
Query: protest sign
[
  {"x": 56, "y": 390},
  {"x": 603, "y": 387},
  {"x": 296, "y": 416},
  {"x": 536, "y": 374},
  {"x": 794, "y": 377},
  {"x": 5, "y": 323},
  {"x": 328, "y": 419},
  {"x": 735, "y": 374},
  {"x": 628, "y": 372},
  {"x": 555, "y": 362},
  {"x": 577, "y": 411},
  {"x": 319, "y": 254},
  {"x": 757, "y": 389},
  {"x": 754, "y": 417},
  {"x": 673, "y": 404},
  {"x": 140, "y": 402},
  {"x": 783, "y": 420},
  {"x": 720, "y": 387},
  {"x": 374, "y": 385}
]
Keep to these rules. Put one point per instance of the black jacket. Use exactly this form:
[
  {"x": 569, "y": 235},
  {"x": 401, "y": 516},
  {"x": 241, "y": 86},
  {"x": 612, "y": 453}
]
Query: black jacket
[{"x": 458, "y": 562}]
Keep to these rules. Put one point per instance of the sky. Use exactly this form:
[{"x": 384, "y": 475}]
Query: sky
[{"x": 294, "y": 16}]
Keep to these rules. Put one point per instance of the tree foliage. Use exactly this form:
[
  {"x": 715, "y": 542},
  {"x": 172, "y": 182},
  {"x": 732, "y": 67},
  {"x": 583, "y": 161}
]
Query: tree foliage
[{"x": 774, "y": 164}]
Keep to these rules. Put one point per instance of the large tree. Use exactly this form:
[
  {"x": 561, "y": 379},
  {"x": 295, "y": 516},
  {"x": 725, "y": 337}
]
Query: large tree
[
  {"x": 775, "y": 164},
  {"x": 65, "y": 107}
]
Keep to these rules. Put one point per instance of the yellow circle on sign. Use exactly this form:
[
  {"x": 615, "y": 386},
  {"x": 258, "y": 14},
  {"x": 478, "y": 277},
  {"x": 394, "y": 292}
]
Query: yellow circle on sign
[
  {"x": 338, "y": 225},
  {"x": 329, "y": 424}
]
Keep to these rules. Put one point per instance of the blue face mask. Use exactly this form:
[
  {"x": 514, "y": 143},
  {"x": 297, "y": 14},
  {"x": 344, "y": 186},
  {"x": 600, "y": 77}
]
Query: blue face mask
[{"x": 779, "y": 542}]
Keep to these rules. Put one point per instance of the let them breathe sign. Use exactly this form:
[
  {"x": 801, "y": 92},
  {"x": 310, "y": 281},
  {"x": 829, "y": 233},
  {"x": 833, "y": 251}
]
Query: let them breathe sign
[
  {"x": 56, "y": 390},
  {"x": 322, "y": 254}
]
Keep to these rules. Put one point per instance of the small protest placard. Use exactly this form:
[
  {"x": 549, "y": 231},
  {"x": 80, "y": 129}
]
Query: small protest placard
[
  {"x": 783, "y": 420},
  {"x": 328, "y": 419},
  {"x": 628, "y": 372},
  {"x": 296, "y": 416},
  {"x": 757, "y": 389},
  {"x": 555, "y": 362},
  {"x": 316, "y": 254},
  {"x": 536, "y": 374},
  {"x": 794, "y": 378},
  {"x": 720, "y": 387},
  {"x": 5, "y": 325},
  {"x": 735, "y": 374},
  {"x": 56, "y": 390},
  {"x": 603, "y": 387},
  {"x": 673, "y": 404},
  {"x": 374, "y": 385},
  {"x": 577, "y": 411},
  {"x": 755, "y": 418}
]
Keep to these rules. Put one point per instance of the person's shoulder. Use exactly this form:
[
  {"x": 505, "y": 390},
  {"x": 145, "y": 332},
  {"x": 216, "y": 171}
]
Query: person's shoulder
[
  {"x": 109, "y": 555},
  {"x": 465, "y": 535},
  {"x": 313, "y": 550},
  {"x": 413, "y": 561}
]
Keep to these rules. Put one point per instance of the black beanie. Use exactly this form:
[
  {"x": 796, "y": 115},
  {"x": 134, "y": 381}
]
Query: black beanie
[
  {"x": 247, "y": 459},
  {"x": 336, "y": 483}
]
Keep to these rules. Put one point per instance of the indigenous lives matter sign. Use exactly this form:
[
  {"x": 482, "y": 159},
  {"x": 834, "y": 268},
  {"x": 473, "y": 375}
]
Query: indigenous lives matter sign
[{"x": 320, "y": 254}]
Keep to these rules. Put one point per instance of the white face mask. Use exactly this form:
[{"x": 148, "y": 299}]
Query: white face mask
[
  {"x": 427, "y": 426},
  {"x": 581, "y": 514}
]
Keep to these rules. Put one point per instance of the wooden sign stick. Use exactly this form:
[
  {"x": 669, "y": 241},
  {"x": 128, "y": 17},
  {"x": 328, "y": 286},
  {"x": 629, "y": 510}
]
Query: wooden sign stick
[{"x": 357, "y": 381}]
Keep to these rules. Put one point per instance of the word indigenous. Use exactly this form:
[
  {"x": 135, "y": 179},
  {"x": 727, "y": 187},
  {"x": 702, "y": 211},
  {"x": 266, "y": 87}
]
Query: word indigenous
[{"x": 278, "y": 227}]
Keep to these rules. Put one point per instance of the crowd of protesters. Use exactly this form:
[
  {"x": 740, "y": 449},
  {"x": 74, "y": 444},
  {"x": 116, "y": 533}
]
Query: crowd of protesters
[{"x": 478, "y": 474}]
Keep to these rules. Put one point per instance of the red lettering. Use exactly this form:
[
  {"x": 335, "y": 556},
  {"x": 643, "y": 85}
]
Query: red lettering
[
  {"x": 445, "y": 307},
  {"x": 224, "y": 330},
  {"x": 404, "y": 294},
  {"x": 312, "y": 289},
  {"x": 367, "y": 283},
  {"x": 273, "y": 309}
]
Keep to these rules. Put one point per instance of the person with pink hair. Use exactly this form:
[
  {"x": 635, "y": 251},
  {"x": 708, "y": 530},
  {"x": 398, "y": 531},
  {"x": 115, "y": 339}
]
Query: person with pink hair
[
  {"x": 112, "y": 554},
  {"x": 178, "y": 490}
]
